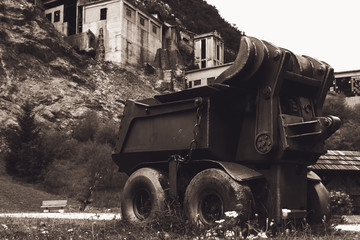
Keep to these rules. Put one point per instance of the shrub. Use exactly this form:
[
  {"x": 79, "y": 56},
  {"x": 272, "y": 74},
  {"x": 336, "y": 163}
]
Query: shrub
[
  {"x": 87, "y": 127},
  {"x": 340, "y": 203},
  {"x": 65, "y": 177},
  {"x": 107, "y": 133},
  {"x": 90, "y": 167},
  {"x": 25, "y": 157},
  {"x": 57, "y": 145}
]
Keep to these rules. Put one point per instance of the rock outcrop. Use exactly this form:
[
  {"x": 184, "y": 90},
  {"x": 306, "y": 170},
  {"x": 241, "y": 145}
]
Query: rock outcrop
[{"x": 37, "y": 65}]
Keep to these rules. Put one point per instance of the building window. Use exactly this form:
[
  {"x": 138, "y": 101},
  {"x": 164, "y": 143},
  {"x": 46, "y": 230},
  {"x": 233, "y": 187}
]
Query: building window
[
  {"x": 154, "y": 29},
  {"x": 49, "y": 16},
  {"x": 190, "y": 84},
  {"x": 203, "y": 64},
  {"x": 103, "y": 13},
  {"x": 142, "y": 21},
  {"x": 203, "y": 48},
  {"x": 218, "y": 52},
  {"x": 128, "y": 12},
  {"x": 197, "y": 82},
  {"x": 57, "y": 16}
]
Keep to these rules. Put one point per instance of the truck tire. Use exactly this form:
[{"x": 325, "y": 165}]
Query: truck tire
[
  {"x": 213, "y": 192},
  {"x": 143, "y": 195},
  {"x": 318, "y": 202}
]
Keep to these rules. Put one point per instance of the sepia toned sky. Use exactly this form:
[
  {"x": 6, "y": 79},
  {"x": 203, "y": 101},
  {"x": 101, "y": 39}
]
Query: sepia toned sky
[{"x": 328, "y": 30}]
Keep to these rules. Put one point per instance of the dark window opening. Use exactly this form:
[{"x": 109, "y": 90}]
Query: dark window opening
[
  {"x": 197, "y": 82},
  {"x": 57, "y": 16},
  {"x": 142, "y": 21},
  {"x": 49, "y": 16},
  {"x": 203, "y": 64},
  {"x": 70, "y": 18},
  {"x": 210, "y": 80},
  {"x": 154, "y": 29},
  {"x": 80, "y": 16},
  {"x": 218, "y": 52},
  {"x": 190, "y": 84},
  {"x": 103, "y": 13},
  {"x": 203, "y": 48},
  {"x": 128, "y": 12}
]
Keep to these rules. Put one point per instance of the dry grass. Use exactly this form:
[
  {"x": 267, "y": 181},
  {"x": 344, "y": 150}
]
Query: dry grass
[{"x": 17, "y": 196}]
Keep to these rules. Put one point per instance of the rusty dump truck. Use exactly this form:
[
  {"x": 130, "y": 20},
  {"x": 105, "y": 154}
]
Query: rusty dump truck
[{"x": 243, "y": 143}]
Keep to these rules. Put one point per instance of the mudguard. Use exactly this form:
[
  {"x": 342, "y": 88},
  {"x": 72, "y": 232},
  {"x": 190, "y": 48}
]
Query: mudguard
[
  {"x": 236, "y": 171},
  {"x": 311, "y": 176}
]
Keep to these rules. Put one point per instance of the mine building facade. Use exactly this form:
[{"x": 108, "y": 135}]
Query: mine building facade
[
  {"x": 129, "y": 35},
  {"x": 202, "y": 77},
  {"x": 347, "y": 82},
  {"x": 209, "y": 50},
  {"x": 62, "y": 14}
]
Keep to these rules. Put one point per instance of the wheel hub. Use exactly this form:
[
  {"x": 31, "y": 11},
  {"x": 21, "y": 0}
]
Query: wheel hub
[
  {"x": 211, "y": 208},
  {"x": 142, "y": 204}
]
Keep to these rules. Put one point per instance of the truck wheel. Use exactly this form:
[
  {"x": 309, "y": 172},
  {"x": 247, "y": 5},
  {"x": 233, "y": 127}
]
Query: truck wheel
[
  {"x": 143, "y": 195},
  {"x": 318, "y": 203},
  {"x": 213, "y": 192}
]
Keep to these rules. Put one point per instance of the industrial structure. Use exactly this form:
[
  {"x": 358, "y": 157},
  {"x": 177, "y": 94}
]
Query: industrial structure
[
  {"x": 242, "y": 143},
  {"x": 347, "y": 82}
]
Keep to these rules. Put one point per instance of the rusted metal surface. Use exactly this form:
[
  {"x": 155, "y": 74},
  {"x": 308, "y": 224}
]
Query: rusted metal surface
[{"x": 261, "y": 119}]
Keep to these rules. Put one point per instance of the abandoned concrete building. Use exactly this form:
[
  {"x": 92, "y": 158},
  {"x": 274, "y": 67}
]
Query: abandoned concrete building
[
  {"x": 209, "y": 57},
  {"x": 125, "y": 34},
  {"x": 209, "y": 50},
  {"x": 117, "y": 31}
]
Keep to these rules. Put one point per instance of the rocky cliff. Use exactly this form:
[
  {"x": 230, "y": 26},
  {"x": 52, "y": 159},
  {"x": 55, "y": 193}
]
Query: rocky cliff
[{"x": 37, "y": 65}]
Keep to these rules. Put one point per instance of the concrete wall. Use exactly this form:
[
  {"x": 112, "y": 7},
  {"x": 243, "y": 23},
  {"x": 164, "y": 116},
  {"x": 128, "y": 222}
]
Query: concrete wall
[
  {"x": 212, "y": 42},
  {"x": 84, "y": 41},
  {"x": 129, "y": 37},
  {"x": 60, "y": 25},
  {"x": 111, "y": 27},
  {"x": 201, "y": 77}
]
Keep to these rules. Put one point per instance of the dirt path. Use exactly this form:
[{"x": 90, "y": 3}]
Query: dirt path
[{"x": 86, "y": 216}]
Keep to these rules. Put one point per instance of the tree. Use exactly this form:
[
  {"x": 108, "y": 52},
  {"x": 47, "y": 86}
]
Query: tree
[
  {"x": 348, "y": 136},
  {"x": 25, "y": 158}
]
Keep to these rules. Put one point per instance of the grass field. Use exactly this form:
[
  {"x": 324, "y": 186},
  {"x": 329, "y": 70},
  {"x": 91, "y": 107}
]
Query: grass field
[
  {"x": 20, "y": 197},
  {"x": 11, "y": 228}
]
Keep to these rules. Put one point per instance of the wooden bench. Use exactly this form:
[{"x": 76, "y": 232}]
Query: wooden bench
[{"x": 54, "y": 205}]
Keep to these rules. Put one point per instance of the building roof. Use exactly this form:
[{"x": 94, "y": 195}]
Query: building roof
[
  {"x": 351, "y": 73},
  {"x": 335, "y": 160},
  {"x": 209, "y": 68},
  {"x": 215, "y": 34}
]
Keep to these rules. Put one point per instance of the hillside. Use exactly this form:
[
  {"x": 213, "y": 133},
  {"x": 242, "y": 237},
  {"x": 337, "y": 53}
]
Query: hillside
[
  {"x": 37, "y": 65},
  {"x": 20, "y": 197},
  {"x": 196, "y": 16}
]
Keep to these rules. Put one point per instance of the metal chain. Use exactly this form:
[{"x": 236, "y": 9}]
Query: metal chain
[
  {"x": 194, "y": 141},
  {"x": 196, "y": 132}
]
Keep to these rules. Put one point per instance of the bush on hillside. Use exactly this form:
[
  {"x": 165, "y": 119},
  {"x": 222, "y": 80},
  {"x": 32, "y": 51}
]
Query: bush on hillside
[
  {"x": 107, "y": 133},
  {"x": 83, "y": 163},
  {"x": 87, "y": 127},
  {"x": 348, "y": 136},
  {"x": 25, "y": 158}
]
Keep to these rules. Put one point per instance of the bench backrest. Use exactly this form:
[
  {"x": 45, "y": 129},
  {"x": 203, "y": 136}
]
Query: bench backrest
[{"x": 54, "y": 203}]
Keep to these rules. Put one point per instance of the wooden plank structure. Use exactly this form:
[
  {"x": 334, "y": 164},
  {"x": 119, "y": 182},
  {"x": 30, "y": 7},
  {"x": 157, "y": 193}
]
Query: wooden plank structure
[
  {"x": 340, "y": 171},
  {"x": 54, "y": 205}
]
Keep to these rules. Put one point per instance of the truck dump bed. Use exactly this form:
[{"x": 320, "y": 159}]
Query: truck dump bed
[{"x": 265, "y": 108}]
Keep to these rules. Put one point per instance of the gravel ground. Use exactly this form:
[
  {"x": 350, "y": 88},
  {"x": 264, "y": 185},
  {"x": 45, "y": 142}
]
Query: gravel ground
[
  {"x": 89, "y": 216},
  {"x": 348, "y": 227}
]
